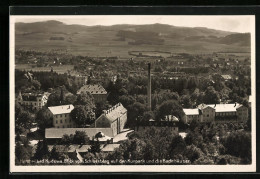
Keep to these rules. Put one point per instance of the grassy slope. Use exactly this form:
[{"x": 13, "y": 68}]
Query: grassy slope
[{"x": 100, "y": 41}]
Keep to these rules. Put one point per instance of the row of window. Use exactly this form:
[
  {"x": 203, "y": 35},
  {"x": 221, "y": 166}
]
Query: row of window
[
  {"x": 35, "y": 104},
  {"x": 57, "y": 121},
  {"x": 226, "y": 114},
  {"x": 56, "y": 116}
]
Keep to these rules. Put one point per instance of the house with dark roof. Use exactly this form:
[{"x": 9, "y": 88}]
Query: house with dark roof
[
  {"x": 79, "y": 80},
  {"x": 33, "y": 101},
  {"x": 97, "y": 91},
  {"x": 114, "y": 118}
]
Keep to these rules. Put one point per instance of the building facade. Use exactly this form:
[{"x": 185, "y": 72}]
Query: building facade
[
  {"x": 191, "y": 114},
  {"x": 33, "y": 101},
  {"x": 169, "y": 121},
  {"x": 97, "y": 91},
  {"x": 114, "y": 118},
  {"x": 61, "y": 116},
  {"x": 217, "y": 113},
  {"x": 79, "y": 80}
]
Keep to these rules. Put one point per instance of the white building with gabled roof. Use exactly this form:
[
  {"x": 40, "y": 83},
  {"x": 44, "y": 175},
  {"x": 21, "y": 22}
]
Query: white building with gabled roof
[
  {"x": 114, "y": 118},
  {"x": 61, "y": 116},
  {"x": 191, "y": 114},
  {"x": 217, "y": 112}
]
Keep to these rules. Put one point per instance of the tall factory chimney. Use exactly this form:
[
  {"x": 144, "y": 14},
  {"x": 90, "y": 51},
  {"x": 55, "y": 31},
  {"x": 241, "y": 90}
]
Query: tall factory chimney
[{"x": 149, "y": 88}]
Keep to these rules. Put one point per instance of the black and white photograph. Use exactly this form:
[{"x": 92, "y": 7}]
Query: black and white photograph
[{"x": 132, "y": 93}]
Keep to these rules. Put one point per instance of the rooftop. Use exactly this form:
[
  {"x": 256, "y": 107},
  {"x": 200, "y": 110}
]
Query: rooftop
[
  {"x": 115, "y": 112},
  {"x": 191, "y": 111},
  {"x": 31, "y": 96},
  {"x": 225, "y": 107},
  {"x": 82, "y": 148},
  {"x": 92, "y": 89},
  {"x": 171, "y": 118},
  {"x": 91, "y": 132},
  {"x": 70, "y": 148},
  {"x": 64, "y": 109},
  {"x": 226, "y": 77},
  {"x": 110, "y": 147}
]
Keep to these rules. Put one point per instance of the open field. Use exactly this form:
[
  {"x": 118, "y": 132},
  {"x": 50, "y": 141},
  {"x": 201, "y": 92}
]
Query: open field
[
  {"x": 104, "y": 41},
  {"x": 59, "y": 69}
]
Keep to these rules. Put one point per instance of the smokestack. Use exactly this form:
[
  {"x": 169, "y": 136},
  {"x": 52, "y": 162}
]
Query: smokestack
[{"x": 149, "y": 87}]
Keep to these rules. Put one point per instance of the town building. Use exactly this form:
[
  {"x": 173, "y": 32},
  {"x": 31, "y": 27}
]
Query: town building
[
  {"x": 97, "y": 91},
  {"x": 61, "y": 116},
  {"x": 79, "y": 80},
  {"x": 52, "y": 135},
  {"x": 114, "y": 118},
  {"x": 191, "y": 114},
  {"x": 33, "y": 101},
  {"x": 169, "y": 121},
  {"x": 81, "y": 150},
  {"x": 226, "y": 77},
  {"x": 217, "y": 113}
]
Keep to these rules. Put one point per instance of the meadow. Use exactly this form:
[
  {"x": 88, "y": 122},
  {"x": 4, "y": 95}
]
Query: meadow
[
  {"x": 105, "y": 44},
  {"x": 59, "y": 69}
]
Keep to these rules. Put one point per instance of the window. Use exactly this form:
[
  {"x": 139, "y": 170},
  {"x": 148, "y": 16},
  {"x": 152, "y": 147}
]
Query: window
[
  {"x": 65, "y": 115},
  {"x": 61, "y": 121},
  {"x": 61, "y": 115},
  {"x": 56, "y": 121},
  {"x": 208, "y": 115}
]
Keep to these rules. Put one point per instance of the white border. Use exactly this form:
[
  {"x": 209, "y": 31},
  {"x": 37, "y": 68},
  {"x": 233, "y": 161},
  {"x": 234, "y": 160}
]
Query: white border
[{"x": 128, "y": 168}]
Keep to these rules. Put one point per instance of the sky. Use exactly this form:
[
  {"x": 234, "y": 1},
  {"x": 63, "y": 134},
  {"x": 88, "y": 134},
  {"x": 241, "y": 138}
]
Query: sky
[{"x": 237, "y": 23}]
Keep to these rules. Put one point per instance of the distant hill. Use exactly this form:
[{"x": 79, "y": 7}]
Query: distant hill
[{"x": 119, "y": 39}]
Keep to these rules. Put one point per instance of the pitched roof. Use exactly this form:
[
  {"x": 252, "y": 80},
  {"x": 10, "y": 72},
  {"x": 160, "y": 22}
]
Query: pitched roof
[
  {"x": 226, "y": 77},
  {"x": 92, "y": 89},
  {"x": 110, "y": 147},
  {"x": 191, "y": 111},
  {"x": 170, "y": 118},
  {"x": 225, "y": 107},
  {"x": 100, "y": 136},
  {"x": 114, "y": 112},
  {"x": 63, "y": 109},
  {"x": 31, "y": 96},
  {"x": 203, "y": 106},
  {"x": 102, "y": 139},
  {"x": 70, "y": 148},
  {"x": 91, "y": 132}
]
